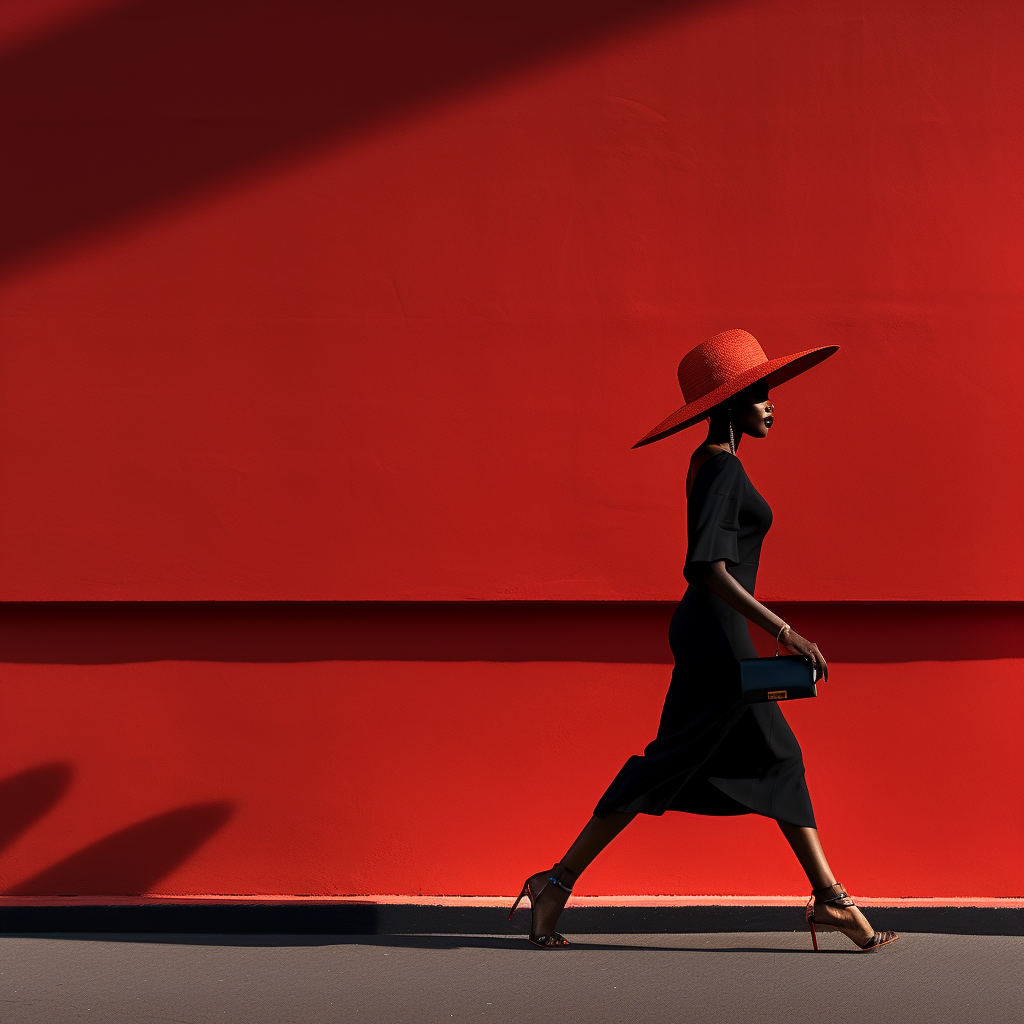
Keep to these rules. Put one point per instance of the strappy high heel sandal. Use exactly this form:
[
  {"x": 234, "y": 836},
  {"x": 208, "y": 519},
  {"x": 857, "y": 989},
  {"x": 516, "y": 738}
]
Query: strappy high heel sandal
[
  {"x": 532, "y": 888},
  {"x": 836, "y": 896}
]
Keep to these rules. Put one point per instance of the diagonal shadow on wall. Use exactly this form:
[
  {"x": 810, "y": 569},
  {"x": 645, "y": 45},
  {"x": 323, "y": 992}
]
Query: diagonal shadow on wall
[
  {"x": 157, "y": 99},
  {"x": 28, "y": 796},
  {"x": 131, "y": 861}
]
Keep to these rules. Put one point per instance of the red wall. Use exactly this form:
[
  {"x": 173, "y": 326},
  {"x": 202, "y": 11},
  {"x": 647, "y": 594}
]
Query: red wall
[
  {"x": 321, "y": 302},
  {"x": 309, "y": 302}
]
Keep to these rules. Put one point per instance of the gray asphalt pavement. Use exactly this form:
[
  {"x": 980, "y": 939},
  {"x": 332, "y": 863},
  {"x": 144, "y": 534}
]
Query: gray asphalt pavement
[{"x": 621, "y": 978}]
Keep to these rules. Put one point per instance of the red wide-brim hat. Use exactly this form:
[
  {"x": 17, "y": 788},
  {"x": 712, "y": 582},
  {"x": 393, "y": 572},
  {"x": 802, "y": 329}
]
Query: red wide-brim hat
[{"x": 722, "y": 367}]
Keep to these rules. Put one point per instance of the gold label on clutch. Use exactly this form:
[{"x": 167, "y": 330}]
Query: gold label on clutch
[{"x": 777, "y": 694}]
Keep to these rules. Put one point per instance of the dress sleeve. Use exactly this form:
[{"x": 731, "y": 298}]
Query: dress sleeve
[{"x": 712, "y": 516}]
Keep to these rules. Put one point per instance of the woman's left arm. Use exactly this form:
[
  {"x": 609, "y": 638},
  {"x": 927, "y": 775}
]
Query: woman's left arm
[{"x": 717, "y": 579}]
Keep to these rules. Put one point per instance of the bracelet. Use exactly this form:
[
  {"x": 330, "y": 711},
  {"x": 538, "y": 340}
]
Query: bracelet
[{"x": 785, "y": 626}]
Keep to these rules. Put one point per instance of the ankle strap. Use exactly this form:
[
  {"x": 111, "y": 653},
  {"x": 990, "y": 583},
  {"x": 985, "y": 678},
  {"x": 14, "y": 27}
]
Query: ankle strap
[
  {"x": 553, "y": 878},
  {"x": 834, "y": 893}
]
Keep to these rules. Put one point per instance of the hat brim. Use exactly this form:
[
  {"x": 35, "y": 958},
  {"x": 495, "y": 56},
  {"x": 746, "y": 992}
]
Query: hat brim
[{"x": 773, "y": 371}]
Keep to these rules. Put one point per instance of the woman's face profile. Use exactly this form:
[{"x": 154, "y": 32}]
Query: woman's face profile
[{"x": 754, "y": 410}]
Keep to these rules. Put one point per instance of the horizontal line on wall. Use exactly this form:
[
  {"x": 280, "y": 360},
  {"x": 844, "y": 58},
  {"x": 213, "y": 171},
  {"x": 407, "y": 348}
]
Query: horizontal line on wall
[{"x": 630, "y": 632}]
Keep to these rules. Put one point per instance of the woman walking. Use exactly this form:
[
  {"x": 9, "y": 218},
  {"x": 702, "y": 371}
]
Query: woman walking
[{"x": 712, "y": 753}]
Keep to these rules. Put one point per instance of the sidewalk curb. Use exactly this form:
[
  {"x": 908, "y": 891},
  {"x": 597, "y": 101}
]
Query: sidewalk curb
[{"x": 406, "y": 919}]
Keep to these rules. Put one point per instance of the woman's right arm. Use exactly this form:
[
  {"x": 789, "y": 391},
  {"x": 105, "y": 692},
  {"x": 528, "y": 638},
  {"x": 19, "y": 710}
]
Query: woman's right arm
[{"x": 717, "y": 579}]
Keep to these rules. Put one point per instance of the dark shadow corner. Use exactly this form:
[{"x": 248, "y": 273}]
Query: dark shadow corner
[{"x": 158, "y": 99}]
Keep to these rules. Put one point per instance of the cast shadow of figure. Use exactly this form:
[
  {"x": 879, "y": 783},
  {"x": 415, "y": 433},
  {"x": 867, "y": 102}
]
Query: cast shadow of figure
[
  {"x": 577, "y": 945},
  {"x": 158, "y": 99},
  {"x": 28, "y": 796},
  {"x": 131, "y": 861}
]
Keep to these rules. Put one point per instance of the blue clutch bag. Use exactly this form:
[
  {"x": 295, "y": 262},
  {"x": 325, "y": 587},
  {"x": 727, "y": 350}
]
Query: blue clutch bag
[{"x": 788, "y": 677}]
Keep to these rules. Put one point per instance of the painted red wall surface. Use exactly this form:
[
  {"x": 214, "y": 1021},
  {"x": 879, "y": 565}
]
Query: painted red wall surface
[
  {"x": 330, "y": 778},
  {"x": 452, "y": 749},
  {"x": 328, "y": 302}
]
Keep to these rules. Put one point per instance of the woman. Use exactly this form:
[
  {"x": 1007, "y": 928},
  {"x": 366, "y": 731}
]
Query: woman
[{"x": 713, "y": 754}]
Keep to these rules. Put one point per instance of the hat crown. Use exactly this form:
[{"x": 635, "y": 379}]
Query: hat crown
[{"x": 718, "y": 361}]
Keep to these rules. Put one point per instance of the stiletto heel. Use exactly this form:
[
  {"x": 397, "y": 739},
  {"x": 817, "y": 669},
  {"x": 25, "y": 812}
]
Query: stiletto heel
[
  {"x": 836, "y": 896},
  {"x": 525, "y": 892},
  {"x": 814, "y": 937},
  {"x": 554, "y": 940}
]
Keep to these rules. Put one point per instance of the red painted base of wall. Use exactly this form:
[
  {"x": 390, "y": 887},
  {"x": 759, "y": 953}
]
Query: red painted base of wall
[{"x": 459, "y": 777}]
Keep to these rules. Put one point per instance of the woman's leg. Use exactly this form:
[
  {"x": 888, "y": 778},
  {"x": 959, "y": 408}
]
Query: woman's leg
[
  {"x": 596, "y": 835},
  {"x": 807, "y": 847}
]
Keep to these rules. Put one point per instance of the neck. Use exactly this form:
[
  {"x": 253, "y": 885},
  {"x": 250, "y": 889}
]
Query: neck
[{"x": 718, "y": 436}]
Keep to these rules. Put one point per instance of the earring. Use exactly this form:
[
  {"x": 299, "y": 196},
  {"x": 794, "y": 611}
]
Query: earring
[{"x": 732, "y": 437}]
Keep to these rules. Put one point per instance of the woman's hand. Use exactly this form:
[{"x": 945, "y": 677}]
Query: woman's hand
[
  {"x": 717, "y": 579},
  {"x": 795, "y": 642}
]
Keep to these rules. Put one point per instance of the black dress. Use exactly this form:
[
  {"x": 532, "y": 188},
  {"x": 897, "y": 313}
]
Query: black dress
[{"x": 713, "y": 754}]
